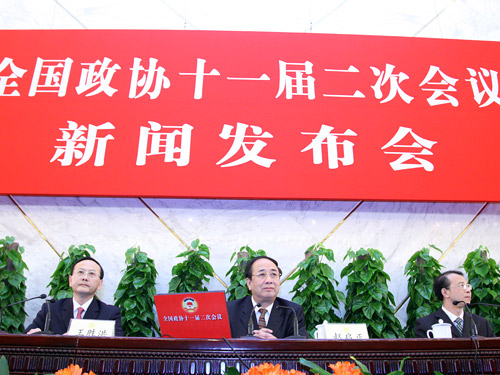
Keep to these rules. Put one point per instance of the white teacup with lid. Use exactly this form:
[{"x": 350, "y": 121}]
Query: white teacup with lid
[{"x": 440, "y": 330}]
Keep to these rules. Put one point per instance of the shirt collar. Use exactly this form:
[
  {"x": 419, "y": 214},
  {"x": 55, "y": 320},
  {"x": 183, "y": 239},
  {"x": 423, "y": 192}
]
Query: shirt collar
[
  {"x": 452, "y": 316},
  {"x": 85, "y": 306},
  {"x": 268, "y": 308}
]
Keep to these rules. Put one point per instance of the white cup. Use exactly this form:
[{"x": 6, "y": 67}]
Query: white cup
[
  {"x": 320, "y": 332},
  {"x": 440, "y": 331}
]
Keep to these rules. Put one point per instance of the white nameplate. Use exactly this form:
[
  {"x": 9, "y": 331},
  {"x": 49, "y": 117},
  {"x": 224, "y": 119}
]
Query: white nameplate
[
  {"x": 339, "y": 331},
  {"x": 91, "y": 327}
]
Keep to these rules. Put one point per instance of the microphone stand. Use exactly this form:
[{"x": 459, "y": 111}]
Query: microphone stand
[
  {"x": 250, "y": 324},
  {"x": 42, "y": 296},
  {"x": 296, "y": 334},
  {"x": 473, "y": 332}
]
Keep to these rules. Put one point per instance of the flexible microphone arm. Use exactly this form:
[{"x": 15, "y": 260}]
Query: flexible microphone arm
[
  {"x": 295, "y": 323},
  {"x": 250, "y": 321},
  {"x": 473, "y": 326},
  {"x": 42, "y": 296},
  {"x": 483, "y": 304}
]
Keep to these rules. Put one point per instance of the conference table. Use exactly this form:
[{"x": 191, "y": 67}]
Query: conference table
[{"x": 30, "y": 354}]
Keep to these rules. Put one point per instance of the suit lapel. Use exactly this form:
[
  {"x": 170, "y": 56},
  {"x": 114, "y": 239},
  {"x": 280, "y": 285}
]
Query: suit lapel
[
  {"x": 276, "y": 319},
  {"x": 67, "y": 312},
  {"x": 93, "y": 310},
  {"x": 446, "y": 319},
  {"x": 246, "y": 310}
]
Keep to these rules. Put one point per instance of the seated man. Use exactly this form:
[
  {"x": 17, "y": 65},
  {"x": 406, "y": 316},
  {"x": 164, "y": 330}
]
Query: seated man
[
  {"x": 452, "y": 288},
  {"x": 85, "y": 280},
  {"x": 274, "y": 318}
]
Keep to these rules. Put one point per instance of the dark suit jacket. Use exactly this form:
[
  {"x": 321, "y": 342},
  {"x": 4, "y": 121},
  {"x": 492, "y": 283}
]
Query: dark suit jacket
[
  {"x": 62, "y": 311},
  {"x": 280, "y": 320},
  {"x": 425, "y": 323}
]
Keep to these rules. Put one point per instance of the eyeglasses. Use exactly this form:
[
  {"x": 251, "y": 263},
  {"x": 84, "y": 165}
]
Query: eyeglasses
[
  {"x": 462, "y": 286},
  {"x": 90, "y": 273},
  {"x": 263, "y": 275}
]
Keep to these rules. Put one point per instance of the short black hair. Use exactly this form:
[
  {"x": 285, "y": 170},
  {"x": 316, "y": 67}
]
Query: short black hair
[
  {"x": 248, "y": 267},
  {"x": 87, "y": 258},
  {"x": 442, "y": 281}
]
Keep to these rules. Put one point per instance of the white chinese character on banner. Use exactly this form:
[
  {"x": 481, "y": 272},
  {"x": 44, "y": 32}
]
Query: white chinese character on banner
[
  {"x": 97, "y": 76},
  {"x": 418, "y": 146},
  {"x": 51, "y": 76},
  {"x": 14, "y": 72},
  {"x": 146, "y": 78},
  {"x": 326, "y": 137},
  {"x": 80, "y": 142},
  {"x": 490, "y": 91},
  {"x": 200, "y": 77},
  {"x": 164, "y": 143},
  {"x": 446, "y": 84},
  {"x": 357, "y": 94},
  {"x": 241, "y": 141},
  {"x": 293, "y": 82},
  {"x": 394, "y": 81}
]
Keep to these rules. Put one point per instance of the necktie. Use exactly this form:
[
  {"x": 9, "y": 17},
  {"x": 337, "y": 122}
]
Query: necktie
[
  {"x": 459, "y": 323},
  {"x": 262, "y": 318},
  {"x": 79, "y": 313}
]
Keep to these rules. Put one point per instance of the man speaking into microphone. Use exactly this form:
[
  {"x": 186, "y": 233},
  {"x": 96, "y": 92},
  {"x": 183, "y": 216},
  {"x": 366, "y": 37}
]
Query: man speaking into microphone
[
  {"x": 452, "y": 288},
  {"x": 263, "y": 314}
]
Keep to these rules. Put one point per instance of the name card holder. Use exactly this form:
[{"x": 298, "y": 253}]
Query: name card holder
[{"x": 91, "y": 327}]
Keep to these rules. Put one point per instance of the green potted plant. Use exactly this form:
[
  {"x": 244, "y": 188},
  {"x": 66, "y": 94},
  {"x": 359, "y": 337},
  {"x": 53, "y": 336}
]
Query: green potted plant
[
  {"x": 59, "y": 287},
  {"x": 190, "y": 275},
  {"x": 368, "y": 297},
  {"x": 421, "y": 269},
  {"x": 135, "y": 294},
  {"x": 12, "y": 285},
  {"x": 484, "y": 276},
  {"x": 238, "y": 287},
  {"x": 315, "y": 290}
]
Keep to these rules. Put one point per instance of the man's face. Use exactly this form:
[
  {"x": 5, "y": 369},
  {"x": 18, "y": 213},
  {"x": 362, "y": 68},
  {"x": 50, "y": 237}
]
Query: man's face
[
  {"x": 85, "y": 279},
  {"x": 265, "y": 281},
  {"x": 458, "y": 290}
]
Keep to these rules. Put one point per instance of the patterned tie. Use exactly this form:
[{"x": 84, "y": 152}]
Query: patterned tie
[
  {"x": 459, "y": 323},
  {"x": 79, "y": 313},
  {"x": 262, "y": 318}
]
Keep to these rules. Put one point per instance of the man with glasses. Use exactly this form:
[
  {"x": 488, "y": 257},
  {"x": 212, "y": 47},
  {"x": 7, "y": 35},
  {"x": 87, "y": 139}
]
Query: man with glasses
[
  {"x": 270, "y": 317},
  {"x": 85, "y": 280},
  {"x": 452, "y": 288}
]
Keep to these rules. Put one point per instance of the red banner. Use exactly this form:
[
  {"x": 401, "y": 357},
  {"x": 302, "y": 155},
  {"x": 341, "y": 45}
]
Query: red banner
[{"x": 248, "y": 115}]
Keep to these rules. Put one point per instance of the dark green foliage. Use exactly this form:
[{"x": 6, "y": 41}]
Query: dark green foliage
[
  {"x": 59, "y": 287},
  {"x": 135, "y": 294},
  {"x": 368, "y": 298},
  {"x": 315, "y": 290},
  {"x": 238, "y": 287},
  {"x": 421, "y": 270},
  {"x": 12, "y": 285},
  {"x": 484, "y": 276},
  {"x": 190, "y": 275}
]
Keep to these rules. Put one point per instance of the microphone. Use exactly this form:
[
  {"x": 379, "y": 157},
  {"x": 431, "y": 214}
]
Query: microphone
[
  {"x": 42, "y": 296},
  {"x": 295, "y": 324},
  {"x": 473, "y": 328},
  {"x": 250, "y": 321}
]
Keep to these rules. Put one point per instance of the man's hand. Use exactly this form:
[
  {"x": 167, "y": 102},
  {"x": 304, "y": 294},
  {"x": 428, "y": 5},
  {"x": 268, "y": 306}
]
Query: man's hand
[
  {"x": 264, "y": 333},
  {"x": 33, "y": 330}
]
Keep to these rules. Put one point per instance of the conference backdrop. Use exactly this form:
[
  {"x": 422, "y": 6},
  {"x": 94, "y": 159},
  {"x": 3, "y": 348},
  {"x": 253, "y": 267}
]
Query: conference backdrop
[{"x": 205, "y": 114}]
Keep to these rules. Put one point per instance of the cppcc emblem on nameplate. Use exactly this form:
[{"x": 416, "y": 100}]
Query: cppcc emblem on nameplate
[{"x": 189, "y": 304}]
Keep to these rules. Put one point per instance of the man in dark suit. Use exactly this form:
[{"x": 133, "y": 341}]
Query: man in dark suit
[
  {"x": 272, "y": 316},
  {"x": 85, "y": 280},
  {"x": 452, "y": 288}
]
